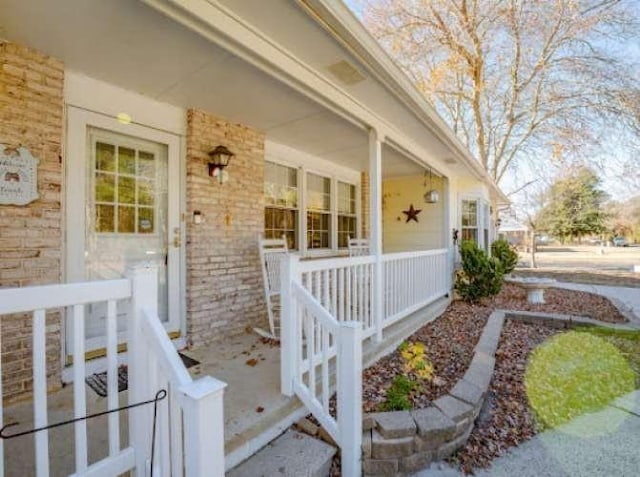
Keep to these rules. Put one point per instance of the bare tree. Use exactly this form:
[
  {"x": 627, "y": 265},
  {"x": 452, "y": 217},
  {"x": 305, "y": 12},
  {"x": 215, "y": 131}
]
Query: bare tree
[{"x": 516, "y": 79}]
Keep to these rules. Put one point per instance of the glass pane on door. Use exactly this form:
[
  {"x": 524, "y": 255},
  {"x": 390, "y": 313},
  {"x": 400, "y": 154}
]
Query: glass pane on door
[{"x": 127, "y": 190}]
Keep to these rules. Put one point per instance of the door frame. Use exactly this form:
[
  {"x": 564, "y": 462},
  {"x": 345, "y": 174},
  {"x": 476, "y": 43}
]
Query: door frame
[{"x": 79, "y": 120}]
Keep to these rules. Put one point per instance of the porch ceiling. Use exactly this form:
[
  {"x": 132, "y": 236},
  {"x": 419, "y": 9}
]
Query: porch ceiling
[{"x": 131, "y": 45}]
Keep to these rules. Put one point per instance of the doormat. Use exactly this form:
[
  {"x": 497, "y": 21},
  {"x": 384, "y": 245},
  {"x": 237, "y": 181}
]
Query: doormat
[{"x": 98, "y": 381}]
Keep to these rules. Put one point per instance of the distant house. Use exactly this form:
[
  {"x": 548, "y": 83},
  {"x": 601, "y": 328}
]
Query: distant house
[
  {"x": 513, "y": 232},
  {"x": 125, "y": 104}
]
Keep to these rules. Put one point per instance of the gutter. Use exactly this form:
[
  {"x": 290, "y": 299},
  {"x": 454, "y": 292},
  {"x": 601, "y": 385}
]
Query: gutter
[{"x": 339, "y": 21}]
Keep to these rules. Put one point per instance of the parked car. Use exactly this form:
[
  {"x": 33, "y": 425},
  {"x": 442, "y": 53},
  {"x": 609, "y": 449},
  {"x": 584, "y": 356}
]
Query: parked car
[{"x": 620, "y": 242}]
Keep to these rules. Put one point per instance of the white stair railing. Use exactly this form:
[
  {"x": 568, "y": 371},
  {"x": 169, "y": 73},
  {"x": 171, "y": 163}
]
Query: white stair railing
[
  {"x": 316, "y": 345},
  {"x": 190, "y": 419}
]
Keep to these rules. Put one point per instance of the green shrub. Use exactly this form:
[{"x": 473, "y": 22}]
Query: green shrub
[
  {"x": 481, "y": 276},
  {"x": 505, "y": 254},
  {"x": 398, "y": 394}
]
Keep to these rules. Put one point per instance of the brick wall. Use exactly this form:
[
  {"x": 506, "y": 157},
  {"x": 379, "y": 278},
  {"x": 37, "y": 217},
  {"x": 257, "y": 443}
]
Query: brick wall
[
  {"x": 365, "y": 207},
  {"x": 31, "y": 105},
  {"x": 224, "y": 278}
]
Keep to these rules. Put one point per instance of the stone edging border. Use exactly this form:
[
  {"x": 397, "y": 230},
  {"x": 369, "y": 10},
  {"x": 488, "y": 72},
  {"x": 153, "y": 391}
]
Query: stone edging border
[{"x": 401, "y": 442}]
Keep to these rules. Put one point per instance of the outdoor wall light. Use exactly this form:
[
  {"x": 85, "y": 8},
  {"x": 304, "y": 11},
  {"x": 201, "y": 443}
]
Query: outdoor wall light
[
  {"x": 220, "y": 158},
  {"x": 432, "y": 196},
  {"x": 498, "y": 223}
]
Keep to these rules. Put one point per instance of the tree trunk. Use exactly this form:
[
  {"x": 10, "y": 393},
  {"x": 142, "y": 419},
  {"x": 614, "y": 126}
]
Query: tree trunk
[{"x": 533, "y": 249}]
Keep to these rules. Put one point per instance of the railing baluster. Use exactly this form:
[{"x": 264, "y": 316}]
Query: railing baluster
[
  {"x": 112, "y": 378},
  {"x": 347, "y": 293},
  {"x": 40, "y": 392},
  {"x": 311, "y": 352},
  {"x": 325, "y": 369},
  {"x": 334, "y": 288},
  {"x": 176, "y": 431},
  {"x": 79, "y": 395},
  {"x": 341, "y": 297}
]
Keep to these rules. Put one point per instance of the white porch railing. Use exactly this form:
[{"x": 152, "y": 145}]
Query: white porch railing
[
  {"x": 318, "y": 345},
  {"x": 412, "y": 280},
  {"x": 190, "y": 419},
  {"x": 328, "y": 308}
]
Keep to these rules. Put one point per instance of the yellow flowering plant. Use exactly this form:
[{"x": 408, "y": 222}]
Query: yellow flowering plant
[{"x": 416, "y": 361}]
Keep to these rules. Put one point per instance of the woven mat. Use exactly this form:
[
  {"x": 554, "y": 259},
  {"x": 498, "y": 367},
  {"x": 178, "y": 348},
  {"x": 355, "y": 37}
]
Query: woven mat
[{"x": 98, "y": 381}]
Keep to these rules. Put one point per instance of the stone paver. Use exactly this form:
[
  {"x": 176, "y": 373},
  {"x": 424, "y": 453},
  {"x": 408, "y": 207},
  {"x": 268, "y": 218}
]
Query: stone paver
[
  {"x": 453, "y": 408},
  {"x": 468, "y": 392},
  {"x": 392, "y": 425},
  {"x": 432, "y": 423}
]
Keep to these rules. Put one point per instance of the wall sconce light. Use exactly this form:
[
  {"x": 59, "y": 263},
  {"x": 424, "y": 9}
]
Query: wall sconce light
[
  {"x": 220, "y": 158},
  {"x": 498, "y": 223},
  {"x": 432, "y": 196}
]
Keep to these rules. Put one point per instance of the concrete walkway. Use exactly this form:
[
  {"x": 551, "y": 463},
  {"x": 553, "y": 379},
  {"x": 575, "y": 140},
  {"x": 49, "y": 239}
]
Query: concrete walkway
[
  {"x": 625, "y": 298},
  {"x": 602, "y": 444}
]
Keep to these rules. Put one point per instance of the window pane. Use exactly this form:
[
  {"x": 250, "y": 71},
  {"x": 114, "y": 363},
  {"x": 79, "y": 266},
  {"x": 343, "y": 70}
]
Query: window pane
[
  {"x": 126, "y": 190},
  {"x": 318, "y": 230},
  {"x": 126, "y": 219},
  {"x": 346, "y": 230},
  {"x": 146, "y": 164},
  {"x": 145, "y": 192},
  {"x": 126, "y": 161},
  {"x": 279, "y": 222},
  {"x": 105, "y": 154},
  {"x": 105, "y": 187},
  {"x": 470, "y": 234},
  {"x": 346, "y": 198},
  {"x": 145, "y": 220},
  {"x": 104, "y": 218},
  {"x": 318, "y": 192}
]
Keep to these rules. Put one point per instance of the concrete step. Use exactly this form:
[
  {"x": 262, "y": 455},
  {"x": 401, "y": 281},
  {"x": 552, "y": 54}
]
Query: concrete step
[{"x": 293, "y": 454}]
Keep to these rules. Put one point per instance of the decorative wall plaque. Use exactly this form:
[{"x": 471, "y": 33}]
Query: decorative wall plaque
[{"x": 18, "y": 176}]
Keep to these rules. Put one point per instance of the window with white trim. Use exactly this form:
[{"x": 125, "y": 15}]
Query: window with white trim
[
  {"x": 347, "y": 219},
  {"x": 281, "y": 200},
  {"x": 318, "y": 211},
  {"x": 328, "y": 204},
  {"x": 469, "y": 220}
]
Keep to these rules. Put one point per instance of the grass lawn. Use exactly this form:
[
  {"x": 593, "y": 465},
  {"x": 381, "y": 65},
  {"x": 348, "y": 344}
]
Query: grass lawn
[{"x": 581, "y": 371}]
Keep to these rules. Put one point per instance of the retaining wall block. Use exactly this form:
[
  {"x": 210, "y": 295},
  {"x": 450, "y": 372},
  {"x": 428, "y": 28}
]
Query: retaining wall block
[
  {"x": 433, "y": 425},
  {"x": 454, "y": 408},
  {"x": 382, "y": 448},
  {"x": 380, "y": 467},
  {"x": 469, "y": 393},
  {"x": 416, "y": 462},
  {"x": 366, "y": 444},
  {"x": 393, "y": 425}
]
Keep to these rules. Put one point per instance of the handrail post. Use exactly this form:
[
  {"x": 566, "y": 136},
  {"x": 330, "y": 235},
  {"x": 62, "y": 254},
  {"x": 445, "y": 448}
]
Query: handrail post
[
  {"x": 203, "y": 427},
  {"x": 144, "y": 296},
  {"x": 350, "y": 397},
  {"x": 289, "y": 273}
]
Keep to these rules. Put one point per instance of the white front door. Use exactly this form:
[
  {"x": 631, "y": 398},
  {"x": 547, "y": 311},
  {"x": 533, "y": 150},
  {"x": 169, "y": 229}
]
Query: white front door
[{"x": 123, "y": 208}]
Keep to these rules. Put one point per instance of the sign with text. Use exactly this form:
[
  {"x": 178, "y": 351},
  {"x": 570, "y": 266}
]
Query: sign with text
[{"x": 18, "y": 176}]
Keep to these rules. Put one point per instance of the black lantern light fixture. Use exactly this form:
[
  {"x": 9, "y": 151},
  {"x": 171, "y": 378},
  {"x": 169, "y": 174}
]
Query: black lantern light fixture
[
  {"x": 432, "y": 196},
  {"x": 220, "y": 158}
]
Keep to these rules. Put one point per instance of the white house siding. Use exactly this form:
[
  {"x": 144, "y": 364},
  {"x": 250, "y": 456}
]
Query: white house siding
[{"x": 402, "y": 236}]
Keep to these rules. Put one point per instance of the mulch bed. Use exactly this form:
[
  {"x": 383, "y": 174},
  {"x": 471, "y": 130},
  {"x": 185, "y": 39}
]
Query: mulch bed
[
  {"x": 451, "y": 338},
  {"x": 506, "y": 419}
]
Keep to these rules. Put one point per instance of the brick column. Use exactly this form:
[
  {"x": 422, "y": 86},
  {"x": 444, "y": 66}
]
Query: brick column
[
  {"x": 224, "y": 279},
  {"x": 31, "y": 115}
]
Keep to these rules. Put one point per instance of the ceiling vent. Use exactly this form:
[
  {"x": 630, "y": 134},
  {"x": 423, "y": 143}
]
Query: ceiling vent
[{"x": 346, "y": 72}]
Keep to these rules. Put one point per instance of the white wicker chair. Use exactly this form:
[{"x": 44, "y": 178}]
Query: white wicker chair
[
  {"x": 272, "y": 252},
  {"x": 358, "y": 247}
]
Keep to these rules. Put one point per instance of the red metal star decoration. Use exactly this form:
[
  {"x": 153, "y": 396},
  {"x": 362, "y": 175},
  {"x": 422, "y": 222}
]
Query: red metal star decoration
[{"x": 412, "y": 214}]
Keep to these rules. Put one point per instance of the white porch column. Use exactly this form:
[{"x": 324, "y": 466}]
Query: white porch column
[{"x": 375, "y": 225}]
